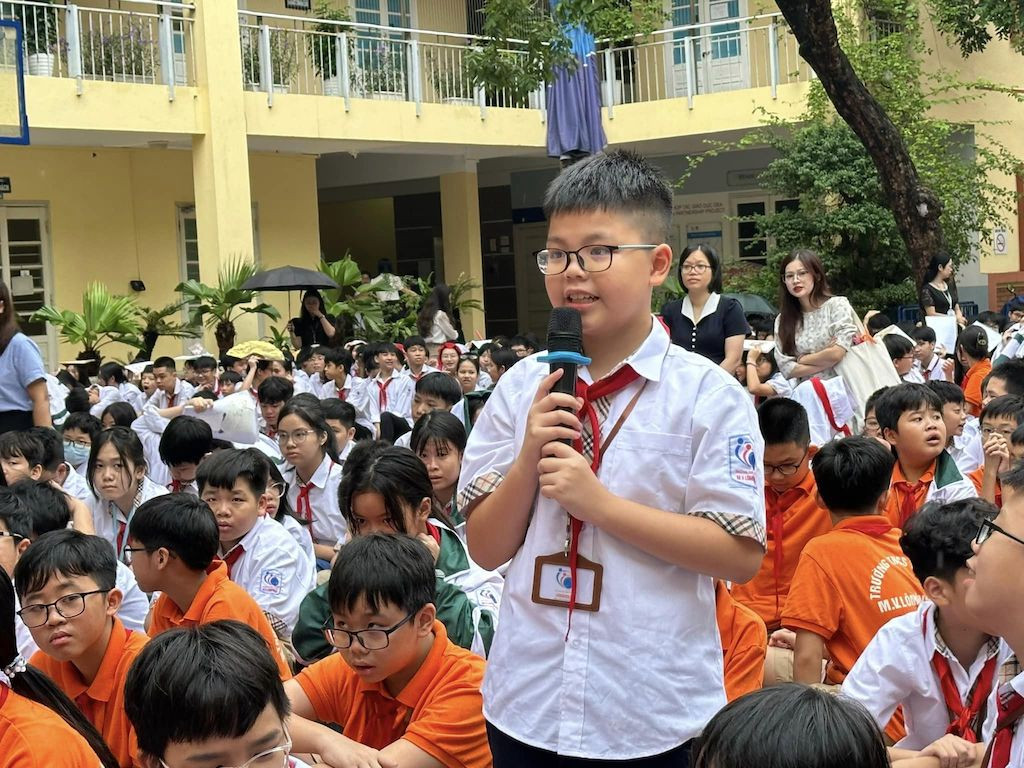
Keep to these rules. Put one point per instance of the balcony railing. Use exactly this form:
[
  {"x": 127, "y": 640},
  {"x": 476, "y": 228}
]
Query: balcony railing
[{"x": 151, "y": 46}]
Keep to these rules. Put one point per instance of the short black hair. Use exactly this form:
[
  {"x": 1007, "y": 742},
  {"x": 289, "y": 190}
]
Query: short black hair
[
  {"x": 113, "y": 371},
  {"x": 757, "y": 730},
  {"x": 784, "y": 421},
  {"x": 222, "y": 468},
  {"x": 22, "y": 445},
  {"x": 1011, "y": 372},
  {"x": 53, "y": 447},
  {"x": 84, "y": 422},
  {"x": 121, "y": 412},
  {"x": 14, "y": 514},
  {"x": 382, "y": 569},
  {"x": 440, "y": 385},
  {"x": 180, "y": 522},
  {"x": 900, "y": 399},
  {"x": 275, "y": 389},
  {"x": 503, "y": 357},
  {"x": 713, "y": 261},
  {"x": 77, "y": 400},
  {"x": 49, "y": 509},
  {"x": 852, "y": 474},
  {"x": 69, "y": 553},
  {"x": 877, "y": 322},
  {"x": 937, "y": 539},
  {"x": 126, "y": 443},
  {"x": 306, "y": 400},
  {"x": 438, "y": 427},
  {"x": 995, "y": 320},
  {"x": 164, "y": 362},
  {"x": 1017, "y": 438},
  {"x": 186, "y": 440},
  {"x": 947, "y": 391},
  {"x": 339, "y": 410},
  {"x": 1004, "y": 406},
  {"x": 620, "y": 181},
  {"x": 204, "y": 363},
  {"x": 897, "y": 346},
  {"x": 1013, "y": 478},
  {"x": 340, "y": 357},
  {"x": 230, "y": 377},
  {"x": 869, "y": 404},
  {"x": 924, "y": 333},
  {"x": 203, "y": 666},
  {"x": 414, "y": 341}
]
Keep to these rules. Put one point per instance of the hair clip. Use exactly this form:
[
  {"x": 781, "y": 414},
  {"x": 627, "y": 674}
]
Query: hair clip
[{"x": 16, "y": 667}]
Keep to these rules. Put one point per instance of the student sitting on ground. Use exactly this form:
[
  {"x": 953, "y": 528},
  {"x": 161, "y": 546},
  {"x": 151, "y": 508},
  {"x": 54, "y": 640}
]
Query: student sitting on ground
[
  {"x": 186, "y": 441},
  {"x": 999, "y": 419},
  {"x": 434, "y": 392},
  {"x": 80, "y": 429}
]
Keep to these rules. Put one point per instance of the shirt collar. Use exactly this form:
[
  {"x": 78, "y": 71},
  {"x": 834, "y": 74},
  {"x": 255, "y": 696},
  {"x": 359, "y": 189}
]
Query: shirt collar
[
  {"x": 216, "y": 574},
  {"x": 102, "y": 687},
  {"x": 709, "y": 307},
  {"x": 323, "y": 472},
  {"x": 649, "y": 357},
  {"x": 411, "y": 695},
  {"x": 926, "y": 478}
]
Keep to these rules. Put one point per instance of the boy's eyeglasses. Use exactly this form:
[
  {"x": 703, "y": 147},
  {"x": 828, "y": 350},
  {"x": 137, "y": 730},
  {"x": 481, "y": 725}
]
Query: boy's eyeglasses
[
  {"x": 591, "y": 258},
  {"x": 272, "y": 758},
  {"x": 298, "y": 436},
  {"x": 989, "y": 431},
  {"x": 370, "y": 639},
  {"x": 786, "y": 470},
  {"x": 16, "y": 536},
  {"x": 987, "y": 529},
  {"x": 68, "y": 606},
  {"x": 129, "y": 553}
]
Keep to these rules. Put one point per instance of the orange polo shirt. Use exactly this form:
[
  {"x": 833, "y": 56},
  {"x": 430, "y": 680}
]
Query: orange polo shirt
[
  {"x": 218, "y": 598},
  {"x": 744, "y": 644},
  {"x": 102, "y": 701},
  {"x": 440, "y": 710},
  {"x": 901, "y": 505},
  {"x": 793, "y": 518},
  {"x": 978, "y": 478},
  {"x": 34, "y": 736},
  {"x": 849, "y": 583},
  {"x": 972, "y": 385}
]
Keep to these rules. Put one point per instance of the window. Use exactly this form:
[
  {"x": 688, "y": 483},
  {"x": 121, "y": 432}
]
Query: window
[
  {"x": 750, "y": 243},
  {"x": 25, "y": 257}
]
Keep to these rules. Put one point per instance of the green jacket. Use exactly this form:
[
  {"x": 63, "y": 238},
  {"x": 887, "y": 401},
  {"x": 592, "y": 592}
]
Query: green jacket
[{"x": 467, "y": 603}]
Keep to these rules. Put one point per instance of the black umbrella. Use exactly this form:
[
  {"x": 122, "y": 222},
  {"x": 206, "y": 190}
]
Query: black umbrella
[{"x": 289, "y": 279}]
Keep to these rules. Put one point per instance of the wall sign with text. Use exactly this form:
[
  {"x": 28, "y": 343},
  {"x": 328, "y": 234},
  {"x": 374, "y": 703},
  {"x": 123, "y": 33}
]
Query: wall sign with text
[{"x": 299, "y": 5}]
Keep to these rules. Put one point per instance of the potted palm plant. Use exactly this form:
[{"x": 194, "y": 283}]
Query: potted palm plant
[
  {"x": 104, "y": 319},
  {"x": 218, "y": 307},
  {"x": 323, "y": 46},
  {"x": 156, "y": 323}
]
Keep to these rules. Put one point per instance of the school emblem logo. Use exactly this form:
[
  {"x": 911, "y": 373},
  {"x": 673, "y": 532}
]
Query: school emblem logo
[
  {"x": 271, "y": 581},
  {"x": 742, "y": 461}
]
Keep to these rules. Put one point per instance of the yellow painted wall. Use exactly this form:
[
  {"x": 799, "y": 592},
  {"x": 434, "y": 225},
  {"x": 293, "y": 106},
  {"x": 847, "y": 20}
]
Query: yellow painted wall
[
  {"x": 114, "y": 217},
  {"x": 364, "y": 227}
]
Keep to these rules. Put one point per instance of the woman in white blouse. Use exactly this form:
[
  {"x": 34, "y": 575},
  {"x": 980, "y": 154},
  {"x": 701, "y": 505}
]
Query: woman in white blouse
[
  {"x": 434, "y": 320},
  {"x": 814, "y": 329}
]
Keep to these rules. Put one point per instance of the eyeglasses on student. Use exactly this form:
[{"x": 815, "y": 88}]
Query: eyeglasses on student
[{"x": 591, "y": 258}]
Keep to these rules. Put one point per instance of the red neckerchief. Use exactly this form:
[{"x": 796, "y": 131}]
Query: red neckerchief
[
  {"x": 1010, "y": 707},
  {"x": 230, "y": 558},
  {"x": 382, "y": 386},
  {"x": 908, "y": 506},
  {"x": 435, "y": 533}
]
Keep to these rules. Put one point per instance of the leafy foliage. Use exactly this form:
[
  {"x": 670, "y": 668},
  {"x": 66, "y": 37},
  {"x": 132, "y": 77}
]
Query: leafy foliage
[
  {"x": 971, "y": 22},
  {"x": 104, "y": 319}
]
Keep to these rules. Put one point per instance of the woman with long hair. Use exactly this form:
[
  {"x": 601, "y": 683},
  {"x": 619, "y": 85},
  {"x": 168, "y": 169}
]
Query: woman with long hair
[
  {"x": 814, "y": 329},
  {"x": 938, "y": 289},
  {"x": 435, "y": 319},
  {"x": 24, "y": 401},
  {"x": 313, "y": 325}
]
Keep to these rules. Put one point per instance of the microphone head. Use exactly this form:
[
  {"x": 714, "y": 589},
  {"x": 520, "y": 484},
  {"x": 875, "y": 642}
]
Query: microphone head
[{"x": 565, "y": 330}]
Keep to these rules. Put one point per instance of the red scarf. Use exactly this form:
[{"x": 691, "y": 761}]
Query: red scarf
[
  {"x": 1009, "y": 708},
  {"x": 382, "y": 386},
  {"x": 230, "y": 558},
  {"x": 966, "y": 718},
  {"x": 909, "y": 504}
]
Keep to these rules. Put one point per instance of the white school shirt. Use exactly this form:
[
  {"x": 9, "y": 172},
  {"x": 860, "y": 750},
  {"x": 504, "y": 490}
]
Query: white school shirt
[
  {"x": 620, "y": 688},
  {"x": 182, "y": 391},
  {"x": 273, "y": 570},
  {"x": 1017, "y": 747},
  {"x": 301, "y": 383},
  {"x": 329, "y": 526},
  {"x": 966, "y": 449},
  {"x": 840, "y": 401},
  {"x": 300, "y": 533},
  {"x": 427, "y": 368},
  {"x": 76, "y": 486},
  {"x": 933, "y": 371},
  {"x": 896, "y": 668},
  {"x": 150, "y": 428},
  {"x": 57, "y": 393},
  {"x": 107, "y": 517},
  {"x": 399, "y": 397}
]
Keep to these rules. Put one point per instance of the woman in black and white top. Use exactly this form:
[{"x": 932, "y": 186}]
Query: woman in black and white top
[
  {"x": 938, "y": 291},
  {"x": 704, "y": 321}
]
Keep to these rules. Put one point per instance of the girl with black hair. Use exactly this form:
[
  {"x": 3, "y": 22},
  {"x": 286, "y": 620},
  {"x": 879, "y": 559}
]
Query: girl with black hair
[
  {"x": 435, "y": 319},
  {"x": 307, "y": 443},
  {"x": 972, "y": 352},
  {"x": 39, "y": 725},
  {"x": 386, "y": 489},
  {"x": 313, "y": 325},
  {"x": 118, "y": 414},
  {"x": 704, "y": 321},
  {"x": 114, "y": 385},
  {"x": 117, "y": 478},
  {"x": 439, "y": 439},
  {"x": 938, "y": 289}
]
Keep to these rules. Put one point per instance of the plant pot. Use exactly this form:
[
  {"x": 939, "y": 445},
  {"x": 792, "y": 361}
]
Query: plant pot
[
  {"x": 387, "y": 95},
  {"x": 279, "y": 88},
  {"x": 41, "y": 64},
  {"x": 533, "y": 100},
  {"x": 459, "y": 100},
  {"x": 332, "y": 86}
]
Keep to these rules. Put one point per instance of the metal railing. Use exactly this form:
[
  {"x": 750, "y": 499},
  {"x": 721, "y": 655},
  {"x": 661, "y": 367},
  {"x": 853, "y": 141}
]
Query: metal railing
[
  {"x": 151, "y": 46},
  {"x": 683, "y": 62}
]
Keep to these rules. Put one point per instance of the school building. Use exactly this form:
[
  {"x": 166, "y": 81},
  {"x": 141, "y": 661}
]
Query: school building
[{"x": 168, "y": 138}]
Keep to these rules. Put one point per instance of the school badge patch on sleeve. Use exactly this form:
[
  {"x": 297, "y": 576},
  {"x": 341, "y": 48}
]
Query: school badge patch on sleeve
[
  {"x": 742, "y": 461},
  {"x": 271, "y": 581}
]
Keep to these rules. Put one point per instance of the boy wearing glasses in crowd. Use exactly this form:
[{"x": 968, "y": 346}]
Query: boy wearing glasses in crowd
[
  {"x": 211, "y": 710},
  {"x": 992, "y": 595},
  {"x": 66, "y": 583},
  {"x": 402, "y": 692},
  {"x": 794, "y": 516},
  {"x": 259, "y": 553},
  {"x": 999, "y": 419}
]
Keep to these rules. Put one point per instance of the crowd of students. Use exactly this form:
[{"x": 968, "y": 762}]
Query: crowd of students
[{"x": 412, "y": 564}]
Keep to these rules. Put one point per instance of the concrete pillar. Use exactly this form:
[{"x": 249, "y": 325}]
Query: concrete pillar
[{"x": 460, "y": 223}]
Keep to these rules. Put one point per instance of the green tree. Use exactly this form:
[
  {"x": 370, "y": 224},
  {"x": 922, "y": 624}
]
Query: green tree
[
  {"x": 971, "y": 22},
  {"x": 104, "y": 319}
]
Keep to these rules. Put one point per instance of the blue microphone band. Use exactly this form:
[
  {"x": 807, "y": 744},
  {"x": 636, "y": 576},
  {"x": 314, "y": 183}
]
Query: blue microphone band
[{"x": 564, "y": 357}]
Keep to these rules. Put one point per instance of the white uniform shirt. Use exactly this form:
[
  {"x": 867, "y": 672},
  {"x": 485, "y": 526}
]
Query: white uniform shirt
[
  {"x": 76, "y": 486},
  {"x": 150, "y": 428},
  {"x": 933, "y": 371},
  {"x": 274, "y": 570},
  {"x": 107, "y": 517},
  {"x": 1017, "y": 748},
  {"x": 623, "y": 686},
  {"x": 399, "y": 397},
  {"x": 329, "y": 526},
  {"x": 300, "y": 533},
  {"x": 182, "y": 391},
  {"x": 896, "y": 668},
  {"x": 966, "y": 449},
  {"x": 427, "y": 368}
]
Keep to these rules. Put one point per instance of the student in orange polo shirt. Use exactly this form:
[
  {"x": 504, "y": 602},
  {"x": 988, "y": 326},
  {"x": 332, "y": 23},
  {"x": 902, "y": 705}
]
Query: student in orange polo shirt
[
  {"x": 794, "y": 516},
  {"x": 66, "y": 583},
  {"x": 1000, "y": 417},
  {"x": 910, "y": 419},
  {"x": 973, "y": 353},
  {"x": 744, "y": 642},
  {"x": 855, "y": 578},
  {"x": 172, "y": 546},
  {"x": 401, "y": 691}
]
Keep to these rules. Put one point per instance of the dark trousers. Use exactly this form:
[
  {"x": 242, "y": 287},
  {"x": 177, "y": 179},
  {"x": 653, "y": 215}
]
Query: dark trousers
[{"x": 509, "y": 753}]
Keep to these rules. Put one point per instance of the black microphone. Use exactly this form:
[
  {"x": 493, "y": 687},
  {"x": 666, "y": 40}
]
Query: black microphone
[{"x": 565, "y": 349}]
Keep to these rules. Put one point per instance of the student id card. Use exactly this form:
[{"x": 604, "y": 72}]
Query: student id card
[{"x": 552, "y": 582}]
